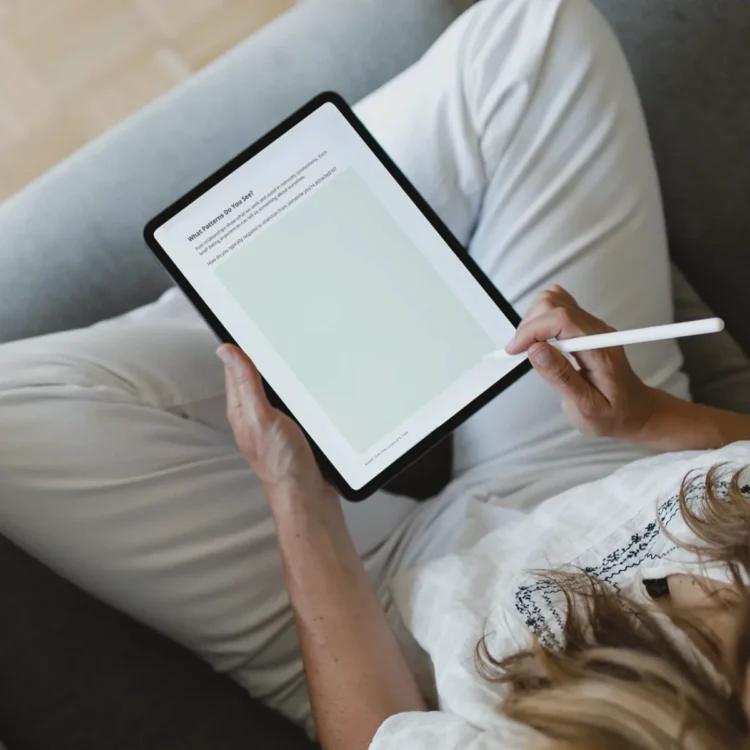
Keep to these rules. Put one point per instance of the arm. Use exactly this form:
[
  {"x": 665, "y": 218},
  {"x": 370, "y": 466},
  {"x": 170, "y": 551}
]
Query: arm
[
  {"x": 676, "y": 424},
  {"x": 605, "y": 397},
  {"x": 356, "y": 673}
]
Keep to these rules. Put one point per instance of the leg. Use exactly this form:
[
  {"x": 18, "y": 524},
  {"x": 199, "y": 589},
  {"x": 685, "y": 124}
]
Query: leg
[
  {"x": 523, "y": 129},
  {"x": 122, "y": 475}
]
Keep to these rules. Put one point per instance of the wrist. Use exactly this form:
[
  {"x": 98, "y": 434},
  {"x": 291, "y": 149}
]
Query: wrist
[
  {"x": 675, "y": 424},
  {"x": 292, "y": 499},
  {"x": 647, "y": 416}
]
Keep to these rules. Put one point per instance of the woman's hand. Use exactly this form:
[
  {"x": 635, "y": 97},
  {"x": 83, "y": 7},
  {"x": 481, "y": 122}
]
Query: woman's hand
[
  {"x": 272, "y": 443},
  {"x": 602, "y": 396}
]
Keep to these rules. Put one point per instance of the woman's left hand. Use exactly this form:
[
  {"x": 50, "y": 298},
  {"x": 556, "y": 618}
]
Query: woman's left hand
[{"x": 272, "y": 443}]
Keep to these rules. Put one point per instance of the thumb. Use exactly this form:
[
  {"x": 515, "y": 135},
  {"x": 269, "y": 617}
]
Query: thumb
[
  {"x": 245, "y": 395},
  {"x": 555, "y": 368}
]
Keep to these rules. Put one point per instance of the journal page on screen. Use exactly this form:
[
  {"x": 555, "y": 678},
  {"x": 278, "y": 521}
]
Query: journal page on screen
[{"x": 350, "y": 303}]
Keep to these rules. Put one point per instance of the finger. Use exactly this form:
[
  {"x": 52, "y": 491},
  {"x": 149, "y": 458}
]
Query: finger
[
  {"x": 563, "y": 295},
  {"x": 233, "y": 396},
  {"x": 562, "y": 376},
  {"x": 552, "y": 297},
  {"x": 544, "y": 302},
  {"x": 246, "y": 397},
  {"x": 245, "y": 428},
  {"x": 561, "y": 322}
]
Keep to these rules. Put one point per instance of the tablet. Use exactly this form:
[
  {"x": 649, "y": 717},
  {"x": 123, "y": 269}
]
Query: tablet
[{"x": 367, "y": 319}]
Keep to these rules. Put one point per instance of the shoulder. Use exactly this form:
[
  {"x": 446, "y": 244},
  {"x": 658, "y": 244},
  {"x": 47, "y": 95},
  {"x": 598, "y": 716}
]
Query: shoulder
[{"x": 440, "y": 730}]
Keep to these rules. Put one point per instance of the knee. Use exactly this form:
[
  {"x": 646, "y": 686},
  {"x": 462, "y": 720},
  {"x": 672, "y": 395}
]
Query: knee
[
  {"x": 49, "y": 399},
  {"x": 522, "y": 42},
  {"x": 33, "y": 365}
]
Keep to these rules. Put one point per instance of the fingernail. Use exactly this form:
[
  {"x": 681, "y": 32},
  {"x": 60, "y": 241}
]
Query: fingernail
[
  {"x": 541, "y": 355},
  {"x": 227, "y": 356}
]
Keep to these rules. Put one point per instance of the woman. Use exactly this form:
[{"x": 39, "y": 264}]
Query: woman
[
  {"x": 522, "y": 128},
  {"x": 647, "y": 647}
]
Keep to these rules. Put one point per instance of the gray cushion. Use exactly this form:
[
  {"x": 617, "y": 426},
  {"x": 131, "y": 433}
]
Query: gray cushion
[
  {"x": 71, "y": 250},
  {"x": 719, "y": 370},
  {"x": 691, "y": 59},
  {"x": 76, "y": 675}
]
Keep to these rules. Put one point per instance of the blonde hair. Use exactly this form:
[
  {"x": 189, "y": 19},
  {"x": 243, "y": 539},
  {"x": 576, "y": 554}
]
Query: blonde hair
[{"x": 621, "y": 682}]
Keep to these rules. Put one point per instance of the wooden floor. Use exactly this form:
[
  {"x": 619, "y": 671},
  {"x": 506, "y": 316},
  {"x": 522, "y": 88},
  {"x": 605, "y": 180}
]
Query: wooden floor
[{"x": 70, "y": 69}]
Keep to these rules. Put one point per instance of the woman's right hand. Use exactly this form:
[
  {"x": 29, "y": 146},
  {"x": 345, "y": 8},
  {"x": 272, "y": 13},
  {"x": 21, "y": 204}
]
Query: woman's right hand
[{"x": 602, "y": 396}]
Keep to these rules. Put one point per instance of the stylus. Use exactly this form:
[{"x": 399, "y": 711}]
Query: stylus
[{"x": 623, "y": 338}]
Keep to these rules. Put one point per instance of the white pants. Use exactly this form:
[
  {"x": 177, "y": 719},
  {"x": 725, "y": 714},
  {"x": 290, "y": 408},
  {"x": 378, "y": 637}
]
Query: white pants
[{"x": 522, "y": 128}]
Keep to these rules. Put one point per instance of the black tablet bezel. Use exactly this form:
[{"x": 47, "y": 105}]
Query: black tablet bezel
[{"x": 440, "y": 432}]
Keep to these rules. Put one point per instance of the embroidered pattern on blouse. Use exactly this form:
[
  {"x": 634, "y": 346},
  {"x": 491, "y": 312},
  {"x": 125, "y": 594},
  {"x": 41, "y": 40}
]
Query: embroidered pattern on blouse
[{"x": 539, "y": 602}]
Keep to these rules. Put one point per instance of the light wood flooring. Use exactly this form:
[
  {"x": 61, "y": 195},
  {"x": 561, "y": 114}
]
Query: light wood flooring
[{"x": 70, "y": 69}]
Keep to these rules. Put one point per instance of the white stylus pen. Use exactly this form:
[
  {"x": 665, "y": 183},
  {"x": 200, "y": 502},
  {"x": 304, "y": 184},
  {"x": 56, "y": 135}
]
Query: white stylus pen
[{"x": 622, "y": 338}]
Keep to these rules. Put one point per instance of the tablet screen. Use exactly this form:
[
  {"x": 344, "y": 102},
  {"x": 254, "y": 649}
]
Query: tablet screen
[{"x": 352, "y": 305}]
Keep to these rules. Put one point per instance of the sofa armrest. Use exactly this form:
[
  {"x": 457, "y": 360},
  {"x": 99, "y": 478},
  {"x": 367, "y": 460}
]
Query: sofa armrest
[{"x": 71, "y": 250}]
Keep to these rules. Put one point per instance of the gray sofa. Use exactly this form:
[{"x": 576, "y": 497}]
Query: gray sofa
[{"x": 74, "y": 673}]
